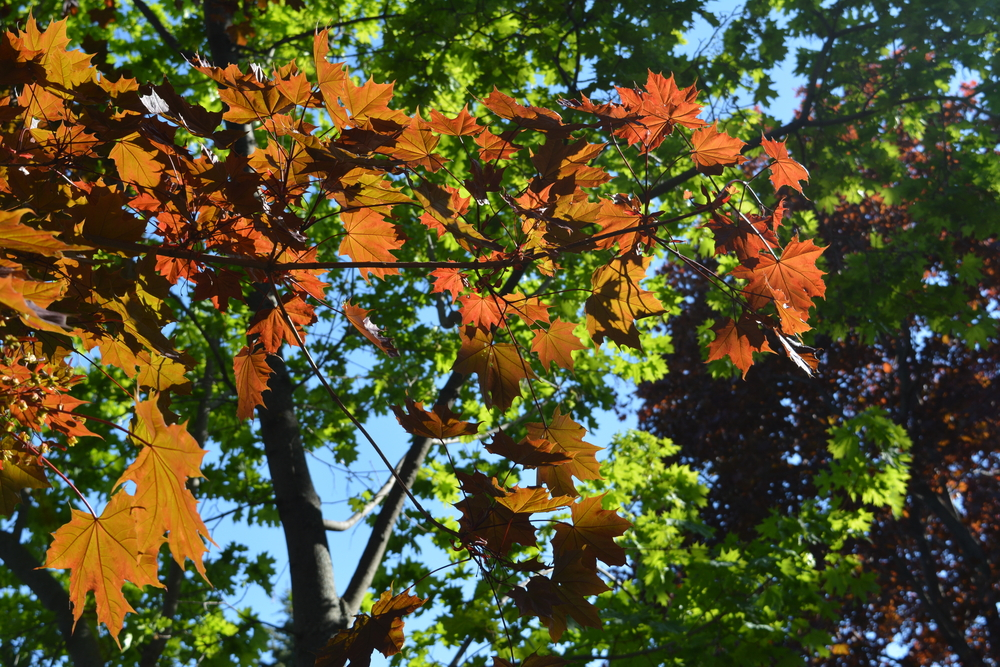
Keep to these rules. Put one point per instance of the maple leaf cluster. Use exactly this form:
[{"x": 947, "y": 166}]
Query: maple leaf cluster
[{"x": 119, "y": 209}]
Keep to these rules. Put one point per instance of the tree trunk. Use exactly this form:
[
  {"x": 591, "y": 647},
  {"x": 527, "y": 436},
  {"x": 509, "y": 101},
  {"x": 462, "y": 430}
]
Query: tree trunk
[{"x": 317, "y": 611}]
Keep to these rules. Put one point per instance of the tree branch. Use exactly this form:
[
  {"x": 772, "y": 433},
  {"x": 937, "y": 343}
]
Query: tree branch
[
  {"x": 317, "y": 612},
  {"x": 340, "y": 526},
  {"x": 371, "y": 558},
  {"x": 161, "y": 30},
  {"x": 310, "y": 33}
]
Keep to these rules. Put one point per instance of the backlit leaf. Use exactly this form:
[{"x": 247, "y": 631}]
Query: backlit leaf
[
  {"x": 617, "y": 301},
  {"x": 370, "y": 238},
  {"x": 499, "y": 366},
  {"x": 101, "y": 554},
  {"x": 713, "y": 149},
  {"x": 381, "y": 631},
  {"x": 252, "y": 373},
  {"x": 784, "y": 170},
  {"x": 168, "y": 459},
  {"x": 359, "y": 318},
  {"x": 738, "y": 341},
  {"x": 556, "y": 344},
  {"x": 593, "y": 531},
  {"x": 566, "y": 437},
  {"x": 440, "y": 423}
]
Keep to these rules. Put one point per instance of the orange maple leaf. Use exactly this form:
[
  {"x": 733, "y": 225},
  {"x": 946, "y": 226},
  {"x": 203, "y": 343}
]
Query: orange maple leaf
[
  {"x": 272, "y": 328},
  {"x": 713, "y": 149},
  {"x": 331, "y": 79},
  {"x": 499, "y": 366},
  {"x": 532, "y": 499},
  {"x": 464, "y": 124},
  {"x": 102, "y": 554},
  {"x": 370, "y": 238},
  {"x": 18, "y": 237},
  {"x": 169, "y": 457},
  {"x": 616, "y": 218},
  {"x": 556, "y": 344},
  {"x": 667, "y": 101},
  {"x": 137, "y": 161},
  {"x": 497, "y": 146},
  {"x": 566, "y": 437},
  {"x": 448, "y": 280},
  {"x": 738, "y": 341},
  {"x": 483, "y": 312},
  {"x": 369, "y": 99},
  {"x": 784, "y": 170},
  {"x": 252, "y": 372},
  {"x": 793, "y": 278},
  {"x": 416, "y": 145}
]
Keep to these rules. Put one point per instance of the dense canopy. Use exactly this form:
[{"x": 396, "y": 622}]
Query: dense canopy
[{"x": 206, "y": 247}]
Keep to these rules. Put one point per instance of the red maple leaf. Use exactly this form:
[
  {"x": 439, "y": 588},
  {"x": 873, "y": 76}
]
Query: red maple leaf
[
  {"x": 738, "y": 341},
  {"x": 784, "y": 170}
]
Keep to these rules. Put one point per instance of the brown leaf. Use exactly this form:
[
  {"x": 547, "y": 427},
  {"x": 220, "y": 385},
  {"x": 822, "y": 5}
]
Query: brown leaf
[
  {"x": 381, "y": 631},
  {"x": 498, "y": 365},
  {"x": 593, "y": 532},
  {"x": 566, "y": 437},
  {"x": 617, "y": 301},
  {"x": 440, "y": 423},
  {"x": 528, "y": 453},
  {"x": 359, "y": 318}
]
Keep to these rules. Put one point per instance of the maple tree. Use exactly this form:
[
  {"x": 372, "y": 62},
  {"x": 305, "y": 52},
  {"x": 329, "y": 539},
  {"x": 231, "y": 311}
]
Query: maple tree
[
  {"x": 81, "y": 266},
  {"x": 446, "y": 50},
  {"x": 909, "y": 331}
]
